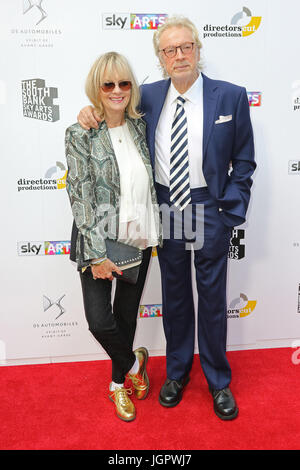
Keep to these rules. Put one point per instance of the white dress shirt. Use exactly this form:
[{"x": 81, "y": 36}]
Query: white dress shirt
[
  {"x": 194, "y": 113},
  {"x": 137, "y": 223}
]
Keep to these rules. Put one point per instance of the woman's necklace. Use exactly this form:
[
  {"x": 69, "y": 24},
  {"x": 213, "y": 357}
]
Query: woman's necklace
[{"x": 118, "y": 131}]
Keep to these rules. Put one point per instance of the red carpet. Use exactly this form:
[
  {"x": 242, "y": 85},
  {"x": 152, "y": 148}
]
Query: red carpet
[{"x": 65, "y": 407}]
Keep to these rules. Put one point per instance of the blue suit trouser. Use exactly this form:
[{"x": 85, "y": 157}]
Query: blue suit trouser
[{"x": 179, "y": 320}]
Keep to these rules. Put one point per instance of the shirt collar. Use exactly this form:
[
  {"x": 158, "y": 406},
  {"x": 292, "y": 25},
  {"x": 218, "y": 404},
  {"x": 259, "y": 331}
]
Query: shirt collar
[{"x": 193, "y": 94}]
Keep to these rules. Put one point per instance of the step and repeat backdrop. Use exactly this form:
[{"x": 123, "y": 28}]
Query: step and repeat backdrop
[{"x": 47, "y": 48}]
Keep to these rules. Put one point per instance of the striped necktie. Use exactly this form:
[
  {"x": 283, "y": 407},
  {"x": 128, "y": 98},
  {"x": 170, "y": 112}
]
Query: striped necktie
[{"x": 180, "y": 193}]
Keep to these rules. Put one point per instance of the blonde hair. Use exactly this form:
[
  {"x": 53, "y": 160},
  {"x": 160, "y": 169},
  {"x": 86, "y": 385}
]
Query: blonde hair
[
  {"x": 176, "y": 22},
  {"x": 110, "y": 64}
]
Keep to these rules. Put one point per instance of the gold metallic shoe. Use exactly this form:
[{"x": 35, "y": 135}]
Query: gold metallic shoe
[
  {"x": 140, "y": 381},
  {"x": 124, "y": 407}
]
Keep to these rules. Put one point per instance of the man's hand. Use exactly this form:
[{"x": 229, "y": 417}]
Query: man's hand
[
  {"x": 88, "y": 117},
  {"x": 105, "y": 270}
]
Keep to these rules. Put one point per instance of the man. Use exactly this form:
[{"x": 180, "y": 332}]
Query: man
[{"x": 200, "y": 139}]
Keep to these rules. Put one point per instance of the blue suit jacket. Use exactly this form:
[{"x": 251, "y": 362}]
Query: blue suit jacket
[{"x": 224, "y": 144}]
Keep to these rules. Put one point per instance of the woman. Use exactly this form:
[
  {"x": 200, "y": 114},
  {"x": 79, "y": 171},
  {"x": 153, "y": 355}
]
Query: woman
[{"x": 111, "y": 190}]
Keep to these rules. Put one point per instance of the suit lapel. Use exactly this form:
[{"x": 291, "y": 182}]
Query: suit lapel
[
  {"x": 158, "y": 103},
  {"x": 160, "y": 99},
  {"x": 210, "y": 100}
]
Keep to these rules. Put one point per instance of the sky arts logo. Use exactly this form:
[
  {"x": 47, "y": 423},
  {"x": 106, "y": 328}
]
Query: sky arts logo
[
  {"x": 241, "y": 307},
  {"x": 242, "y": 24},
  {"x": 132, "y": 20},
  {"x": 147, "y": 311},
  {"x": 41, "y": 248},
  {"x": 254, "y": 98},
  {"x": 294, "y": 167}
]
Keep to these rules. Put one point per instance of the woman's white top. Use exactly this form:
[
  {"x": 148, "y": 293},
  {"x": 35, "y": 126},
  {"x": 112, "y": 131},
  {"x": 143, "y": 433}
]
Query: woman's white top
[{"x": 137, "y": 225}]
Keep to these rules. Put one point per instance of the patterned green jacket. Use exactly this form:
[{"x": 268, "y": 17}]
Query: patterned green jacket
[{"x": 93, "y": 186}]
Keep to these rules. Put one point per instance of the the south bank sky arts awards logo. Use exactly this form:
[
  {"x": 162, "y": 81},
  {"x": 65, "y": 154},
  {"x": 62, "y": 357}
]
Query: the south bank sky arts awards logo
[
  {"x": 38, "y": 100},
  {"x": 242, "y": 24},
  {"x": 236, "y": 247}
]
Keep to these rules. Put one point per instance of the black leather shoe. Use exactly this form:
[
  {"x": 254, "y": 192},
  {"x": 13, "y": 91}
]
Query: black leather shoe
[
  {"x": 224, "y": 404},
  {"x": 171, "y": 391}
]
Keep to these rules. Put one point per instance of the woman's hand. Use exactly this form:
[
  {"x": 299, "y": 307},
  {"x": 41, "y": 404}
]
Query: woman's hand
[
  {"x": 88, "y": 118},
  {"x": 105, "y": 270}
]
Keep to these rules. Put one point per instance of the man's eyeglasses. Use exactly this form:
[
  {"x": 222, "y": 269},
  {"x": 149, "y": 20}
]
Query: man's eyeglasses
[
  {"x": 124, "y": 85},
  {"x": 171, "y": 51}
]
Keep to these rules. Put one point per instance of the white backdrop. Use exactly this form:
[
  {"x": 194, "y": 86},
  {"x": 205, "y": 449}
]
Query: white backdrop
[{"x": 47, "y": 48}]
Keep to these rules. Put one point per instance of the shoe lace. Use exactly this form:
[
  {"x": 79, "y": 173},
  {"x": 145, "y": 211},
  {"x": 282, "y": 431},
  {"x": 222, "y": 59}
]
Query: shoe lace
[
  {"x": 223, "y": 391},
  {"x": 121, "y": 395},
  {"x": 137, "y": 382}
]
